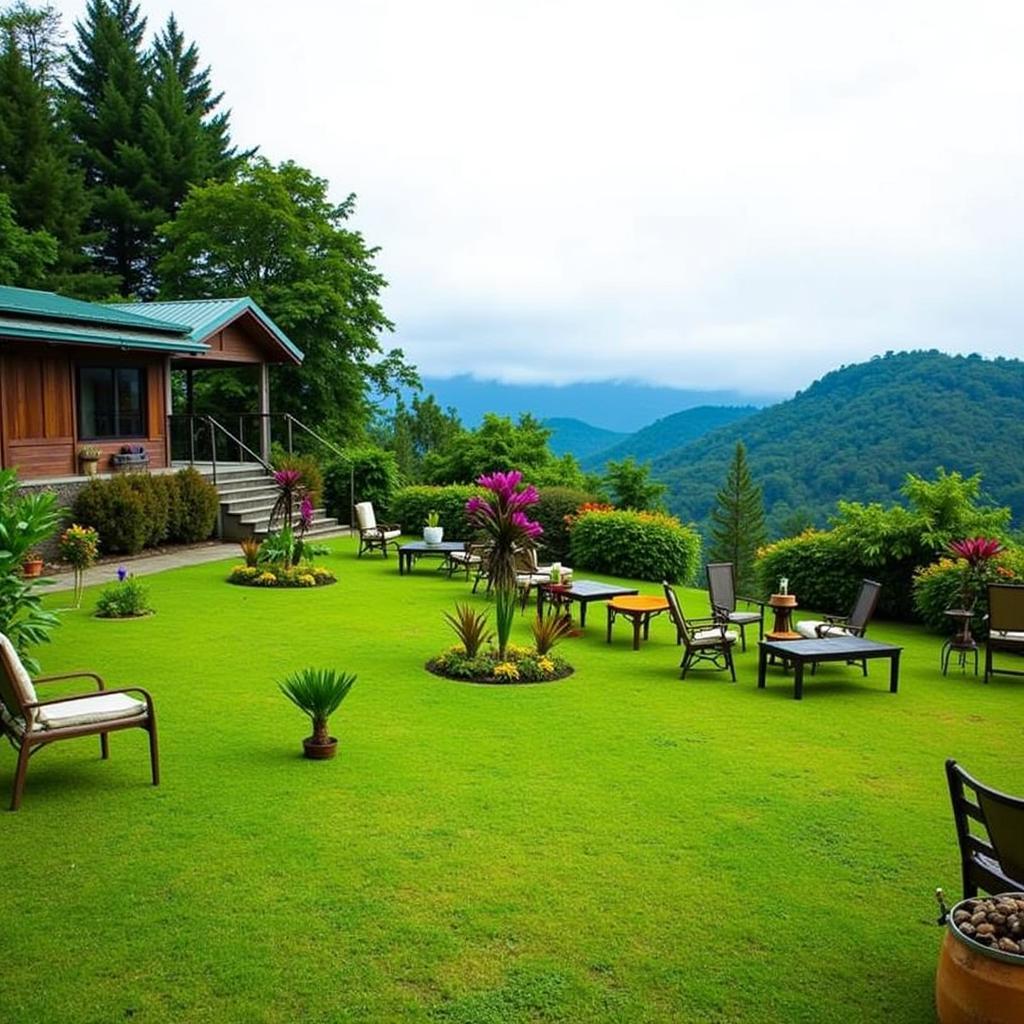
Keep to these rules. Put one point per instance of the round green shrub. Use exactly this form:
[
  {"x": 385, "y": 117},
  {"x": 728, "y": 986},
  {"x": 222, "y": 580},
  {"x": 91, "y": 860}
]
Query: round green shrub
[
  {"x": 555, "y": 504},
  {"x": 127, "y": 599},
  {"x": 819, "y": 571},
  {"x": 411, "y": 505},
  {"x": 197, "y": 506},
  {"x": 116, "y": 511},
  {"x": 635, "y": 545},
  {"x": 374, "y": 474},
  {"x": 940, "y": 586},
  {"x": 155, "y": 505}
]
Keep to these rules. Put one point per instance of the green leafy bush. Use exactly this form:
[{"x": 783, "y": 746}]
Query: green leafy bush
[
  {"x": 411, "y": 505},
  {"x": 197, "y": 505},
  {"x": 555, "y": 504},
  {"x": 818, "y": 569},
  {"x": 940, "y": 586},
  {"x": 154, "y": 493},
  {"x": 374, "y": 474},
  {"x": 116, "y": 511},
  {"x": 635, "y": 545},
  {"x": 126, "y": 599}
]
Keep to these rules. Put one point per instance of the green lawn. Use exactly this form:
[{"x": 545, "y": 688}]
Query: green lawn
[{"x": 621, "y": 846}]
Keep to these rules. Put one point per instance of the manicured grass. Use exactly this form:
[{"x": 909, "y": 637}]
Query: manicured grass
[{"x": 617, "y": 847}]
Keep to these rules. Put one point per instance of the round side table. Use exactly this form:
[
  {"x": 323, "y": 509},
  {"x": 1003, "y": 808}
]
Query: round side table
[
  {"x": 961, "y": 642},
  {"x": 782, "y": 605}
]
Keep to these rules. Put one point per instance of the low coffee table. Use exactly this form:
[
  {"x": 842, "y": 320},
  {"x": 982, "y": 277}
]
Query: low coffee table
[
  {"x": 583, "y": 592},
  {"x": 408, "y": 553},
  {"x": 839, "y": 648},
  {"x": 638, "y": 609}
]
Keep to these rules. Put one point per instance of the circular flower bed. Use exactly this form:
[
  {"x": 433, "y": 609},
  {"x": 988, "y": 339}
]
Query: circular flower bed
[
  {"x": 278, "y": 576},
  {"x": 520, "y": 665}
]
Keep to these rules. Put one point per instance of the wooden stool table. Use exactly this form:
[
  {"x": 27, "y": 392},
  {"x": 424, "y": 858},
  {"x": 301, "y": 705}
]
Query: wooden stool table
[
  {"x": 638, "y": 609},
  {"x": 782, "y": 605}
]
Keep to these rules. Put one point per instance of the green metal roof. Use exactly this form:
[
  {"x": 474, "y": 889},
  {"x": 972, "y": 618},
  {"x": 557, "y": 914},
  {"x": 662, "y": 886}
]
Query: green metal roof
[
  {"x": 27, "y": 303},
  {"x": 203, "y": 317},
  {"x": 108, "y": 337}
]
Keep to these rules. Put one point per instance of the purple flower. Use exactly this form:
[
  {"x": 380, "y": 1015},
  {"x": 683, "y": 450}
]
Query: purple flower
[
  {"x": 503, "y": 484},
  {"x": 306, "y": 512},
  {"x": 528, "y": 526},
  {"x": 286, "y": 479},
  {"x": 122, "y": 573}
]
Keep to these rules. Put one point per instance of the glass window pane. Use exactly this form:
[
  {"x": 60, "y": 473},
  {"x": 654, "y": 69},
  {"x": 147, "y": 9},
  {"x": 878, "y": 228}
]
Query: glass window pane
[
  {"x": 96, "y": 402},
  {"x": 129, "y": 402}
]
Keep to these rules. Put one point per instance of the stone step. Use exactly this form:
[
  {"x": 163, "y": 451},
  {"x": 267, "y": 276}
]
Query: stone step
[
  {"x": 249, "y": 503},
  {"x": 260, "y": 519}
]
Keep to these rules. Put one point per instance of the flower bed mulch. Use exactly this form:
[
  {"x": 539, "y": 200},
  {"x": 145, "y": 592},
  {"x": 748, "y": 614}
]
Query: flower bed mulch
[
  {"x": 521, "y": 665},
  {"x": 276, "y": 576}
]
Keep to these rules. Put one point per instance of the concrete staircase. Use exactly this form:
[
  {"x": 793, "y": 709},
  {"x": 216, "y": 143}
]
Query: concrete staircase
[{"x": 247, "y": 495}]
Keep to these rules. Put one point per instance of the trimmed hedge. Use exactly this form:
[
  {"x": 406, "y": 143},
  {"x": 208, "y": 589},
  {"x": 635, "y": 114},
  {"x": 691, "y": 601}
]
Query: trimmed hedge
[
  {"x": 410, "y": 505},
  {"x": 135, "y": 511},
  {"x": 376, "y": 478},
  {"x": 635, "y": 545},
  {"x": 555, "y": 504}
]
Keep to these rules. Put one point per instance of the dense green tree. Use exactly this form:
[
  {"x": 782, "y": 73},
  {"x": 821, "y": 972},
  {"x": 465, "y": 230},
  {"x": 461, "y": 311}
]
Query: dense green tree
[
  {"x": 737, "y": 521},
  {"x": 38, "y": 35},
  {"x": 24, "y": 255},
  {"x": 36, "y": 171},
  {"x": 273, "y": 234},
  {"x": 631, "y": 485},
  {"x": 500, "y": 444},
  {"x": 411, "y": 431}
]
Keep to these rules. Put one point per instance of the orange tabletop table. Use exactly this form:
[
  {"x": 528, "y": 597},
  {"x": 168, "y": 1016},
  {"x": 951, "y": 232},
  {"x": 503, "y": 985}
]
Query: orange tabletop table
[{"x": 640, "y": 610}]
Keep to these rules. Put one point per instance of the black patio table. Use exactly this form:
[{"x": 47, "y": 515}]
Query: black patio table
[
  {"x": 583, "y": 592},
  {"x": 408, "y": 553},
  {"x": 838, "y": 648}
]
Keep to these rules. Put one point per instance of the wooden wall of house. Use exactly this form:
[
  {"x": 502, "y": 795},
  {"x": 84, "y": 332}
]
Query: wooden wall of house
[{"x": 38, "y": 414}]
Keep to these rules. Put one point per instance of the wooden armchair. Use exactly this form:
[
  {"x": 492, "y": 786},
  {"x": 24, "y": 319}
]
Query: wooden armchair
[
  {"x": 374, "y": 536},
  {"x": 723, "y": 598},
  {"x": 702, "y": 639},
  {"x": 30, "y": 723},
  {"x": 994, "y": 863}
]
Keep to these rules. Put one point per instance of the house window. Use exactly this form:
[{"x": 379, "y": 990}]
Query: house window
[{"x": 111, "y": 401}]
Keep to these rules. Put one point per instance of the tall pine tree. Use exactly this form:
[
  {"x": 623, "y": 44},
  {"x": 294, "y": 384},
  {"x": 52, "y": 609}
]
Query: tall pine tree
[
  {"x": 737, "y": 521},
  {"x": 45, "y": 189}
]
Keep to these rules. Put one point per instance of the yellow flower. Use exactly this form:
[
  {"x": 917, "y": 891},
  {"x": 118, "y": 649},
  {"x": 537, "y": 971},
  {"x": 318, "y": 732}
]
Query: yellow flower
[
  {"x": 506, "y": 670},
  {"x": 306, "y": 580},
  {"x": 546, "y": 665}
]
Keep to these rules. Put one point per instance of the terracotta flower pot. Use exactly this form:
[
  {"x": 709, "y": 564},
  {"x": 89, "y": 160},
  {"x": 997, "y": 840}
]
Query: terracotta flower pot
[
  {"x": 32, "y": 568},
  {"x": 320, "y": 751},
  {"x": 88, "y": 466}
]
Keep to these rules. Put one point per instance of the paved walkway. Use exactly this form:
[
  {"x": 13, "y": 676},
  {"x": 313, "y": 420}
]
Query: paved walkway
[{"x": 146, "y": 565}]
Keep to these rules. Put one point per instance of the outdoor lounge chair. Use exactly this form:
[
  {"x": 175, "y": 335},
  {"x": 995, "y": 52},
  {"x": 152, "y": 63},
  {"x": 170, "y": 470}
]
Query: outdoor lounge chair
[
  {"x": 722, "y": 594},
  {"x": 995, "y": 864},
  {"x": 374, "y": 537},
  {"x": 1005, "y": 625},
  {"x": 30, "y": 723},
  {"x": 854, "y": 624},
  {"x": 702, "y": 639},
  {"x": 467, "y": 560}
]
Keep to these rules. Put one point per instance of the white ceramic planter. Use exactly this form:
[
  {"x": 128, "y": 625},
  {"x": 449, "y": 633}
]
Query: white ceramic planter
[{"x": 433, "y": 534}]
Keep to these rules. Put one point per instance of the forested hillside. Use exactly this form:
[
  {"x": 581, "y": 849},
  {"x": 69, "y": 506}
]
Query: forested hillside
[
  {"x": 577, "y": 438},
  {"x": 859, "y": 430},
  {"x": 666, "y": 434}
]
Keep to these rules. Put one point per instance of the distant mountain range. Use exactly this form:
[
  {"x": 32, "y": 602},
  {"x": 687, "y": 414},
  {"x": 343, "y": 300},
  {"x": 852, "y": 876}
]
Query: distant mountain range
[
  {"x": 617, "y": 406},
  {"x": 858, "y": 431},
  {"x": 578, "y": 438}
]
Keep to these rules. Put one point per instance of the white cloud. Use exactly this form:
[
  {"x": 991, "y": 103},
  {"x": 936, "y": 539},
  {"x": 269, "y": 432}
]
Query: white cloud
[{"x": 736, "y": 193}]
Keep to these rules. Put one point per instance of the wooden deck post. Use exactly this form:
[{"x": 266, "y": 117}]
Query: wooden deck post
[{"x": 265, "y": 412}]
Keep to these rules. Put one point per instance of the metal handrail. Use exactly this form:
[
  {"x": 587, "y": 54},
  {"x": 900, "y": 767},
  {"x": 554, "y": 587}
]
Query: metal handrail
[
  {"x": 290, "y": 420},
  {"x": 231, "y": 437}
]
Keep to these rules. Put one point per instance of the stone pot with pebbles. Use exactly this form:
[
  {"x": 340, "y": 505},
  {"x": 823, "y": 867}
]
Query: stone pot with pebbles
[{"x": 980, "y": 979}]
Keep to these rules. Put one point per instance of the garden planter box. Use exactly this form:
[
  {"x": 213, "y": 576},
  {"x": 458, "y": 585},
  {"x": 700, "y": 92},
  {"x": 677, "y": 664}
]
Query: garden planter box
[{"x": 129, "y": 460}]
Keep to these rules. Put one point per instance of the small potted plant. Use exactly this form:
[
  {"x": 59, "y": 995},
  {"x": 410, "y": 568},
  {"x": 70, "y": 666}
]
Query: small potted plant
[
  {"x": 433, "y": 531},
  {"x": 318, "y": 693},
  {"x": 32, "y": 566},
  {"x": 88, "y": 459}
]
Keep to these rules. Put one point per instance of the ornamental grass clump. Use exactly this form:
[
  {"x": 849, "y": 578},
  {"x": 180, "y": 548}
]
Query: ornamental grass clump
[
  {"x": 549, "y": 630},
  {"x": 470, "y": 627},
  {"x": 502, "y": 518}
]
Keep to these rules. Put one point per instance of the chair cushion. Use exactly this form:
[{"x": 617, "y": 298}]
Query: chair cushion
[
  {"x": 103, "y": 707},
  {"x": 744, "y": 618},
  {"x": 391, "y": 534},
  {"x": 1008, "y": 635},
  {"x": 18, "y": 679},
  {"x": 365, "y": 517},
  {"x": 808, "y": 629},
  {"x": 703, "y": 636}
]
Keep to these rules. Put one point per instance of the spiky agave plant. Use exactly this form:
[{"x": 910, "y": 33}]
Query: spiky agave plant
[{"x": 318, "y": 693}]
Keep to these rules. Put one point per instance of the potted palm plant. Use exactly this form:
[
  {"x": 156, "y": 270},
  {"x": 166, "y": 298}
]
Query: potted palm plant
[
  {"x": 433, "y": 531},
  {"x": 318, "y": 693}
]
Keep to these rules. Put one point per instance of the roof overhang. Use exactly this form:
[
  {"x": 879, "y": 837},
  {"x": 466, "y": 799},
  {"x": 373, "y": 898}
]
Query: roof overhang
[{"x": 59, "y": 334}]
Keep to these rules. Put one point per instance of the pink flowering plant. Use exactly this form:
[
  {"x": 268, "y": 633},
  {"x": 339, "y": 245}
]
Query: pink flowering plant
[
  {"x": 978, "y": 553},
  {"x": 501, "y": 517}
]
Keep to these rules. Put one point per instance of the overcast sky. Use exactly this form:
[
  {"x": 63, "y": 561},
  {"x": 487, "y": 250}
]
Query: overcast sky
[{"x": 724, "y": 193}]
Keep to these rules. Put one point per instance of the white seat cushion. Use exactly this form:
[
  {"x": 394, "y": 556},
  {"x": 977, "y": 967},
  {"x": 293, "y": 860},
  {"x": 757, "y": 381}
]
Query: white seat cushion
[
  {"x": 809, "y": 629},
  {"x": 747, "y": 618},
  {"x": 1008, "y": 634},
  {"x": 103, "y": 707},
  {"x": 714, "y": 634},
  {"x": 365, "y": 517},
  {"x": 391, "y": 534},
  {"x": 18, "y": 679}
]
